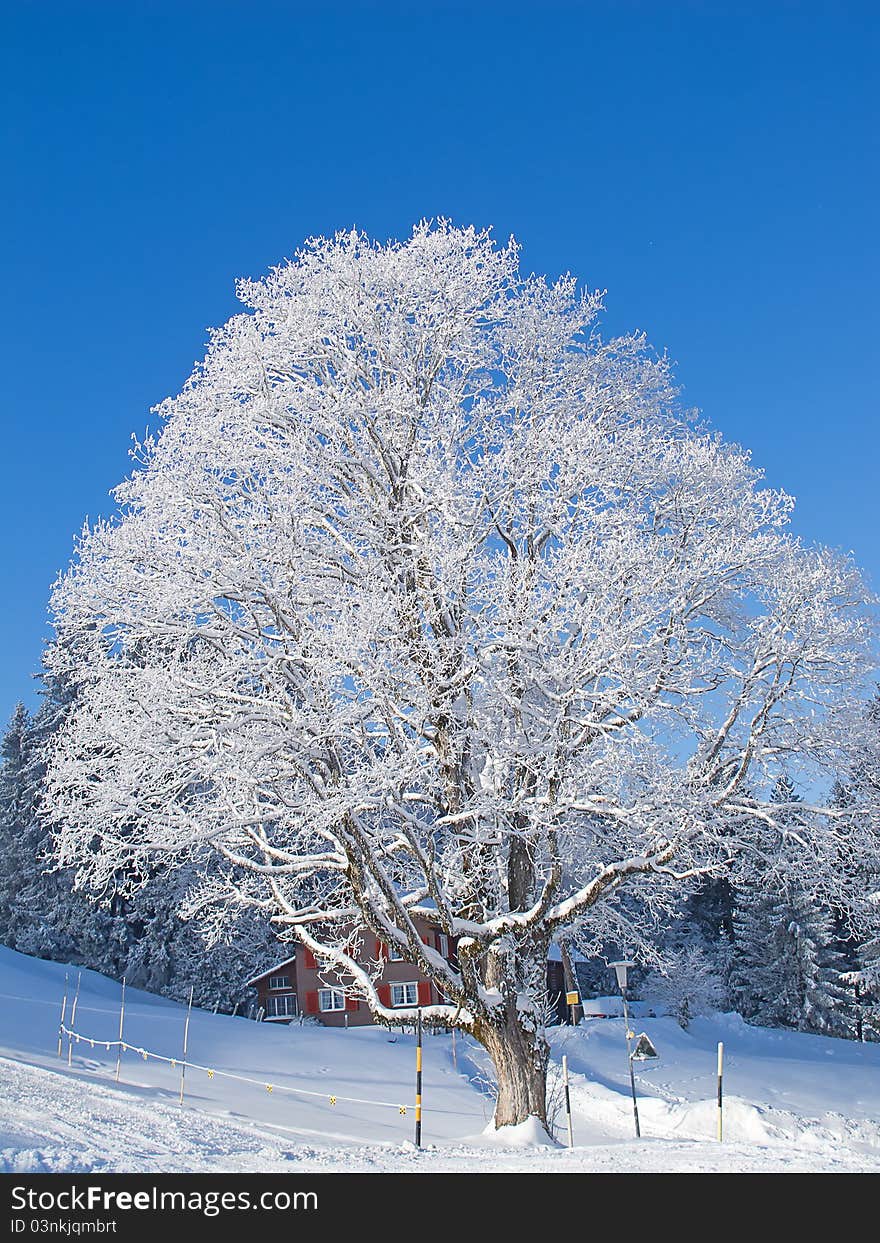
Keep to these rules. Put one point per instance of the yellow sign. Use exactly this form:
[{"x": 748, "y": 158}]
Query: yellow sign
[{"x": 572, "y": 999}]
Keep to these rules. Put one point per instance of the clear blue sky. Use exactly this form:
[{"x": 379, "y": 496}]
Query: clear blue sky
[{"x": 714, "y": 166}]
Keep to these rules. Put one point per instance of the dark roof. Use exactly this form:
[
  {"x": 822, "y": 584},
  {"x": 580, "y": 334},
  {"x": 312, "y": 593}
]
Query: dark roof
[{"x": 270, "y": 971}]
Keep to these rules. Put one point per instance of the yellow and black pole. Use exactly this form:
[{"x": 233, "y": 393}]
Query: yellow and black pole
[
  {"x": 419, "y": 1077},
  {"x": 567, "y": 1099}
]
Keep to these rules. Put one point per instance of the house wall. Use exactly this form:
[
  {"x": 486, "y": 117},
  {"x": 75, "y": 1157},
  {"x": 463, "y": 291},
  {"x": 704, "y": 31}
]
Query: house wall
[
  {"x": 311, "y": 978},
  {"x": 265, "y": 993},
  {"x": 308, "y": 978}
]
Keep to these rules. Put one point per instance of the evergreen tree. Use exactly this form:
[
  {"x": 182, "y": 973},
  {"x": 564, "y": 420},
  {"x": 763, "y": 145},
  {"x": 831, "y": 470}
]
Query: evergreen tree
[
  {"x": 16, "y": 818},
  {"x": 858, "y": 795},
  {"x": 140, "y": 935},
  {"x": 786, "y": 963}
]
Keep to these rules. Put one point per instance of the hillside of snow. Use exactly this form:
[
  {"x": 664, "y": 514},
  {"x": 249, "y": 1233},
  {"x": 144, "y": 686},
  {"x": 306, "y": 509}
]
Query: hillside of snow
[{"x": 264, "y": 1097}]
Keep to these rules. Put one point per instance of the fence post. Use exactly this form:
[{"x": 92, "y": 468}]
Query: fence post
[
  {"x": 185, "y": 1042},
  {"x": 73, "y": 1021},
  {"x": 63, "y": 1012},
  {"x": 121, "y": 1021}
]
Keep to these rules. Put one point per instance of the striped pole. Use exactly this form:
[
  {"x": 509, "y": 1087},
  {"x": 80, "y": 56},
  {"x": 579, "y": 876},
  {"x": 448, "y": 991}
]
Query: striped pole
[
  {"x": 73, "y": 1020},
  {"x": 419, "y": 1077},
  {"x": 720, "y": 1095},
  {"x": 185, "y": 1041},
  {"x": 567, "y": 1099},
  {"x": 63, "y": 1012},
  {"x": 121, "y": 1019}
]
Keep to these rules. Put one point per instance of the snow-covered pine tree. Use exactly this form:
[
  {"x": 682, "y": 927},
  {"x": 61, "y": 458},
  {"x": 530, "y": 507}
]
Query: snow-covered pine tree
[
  {"x": 752, "y": 973},
  {"x": 170, "y": 954},
  {"x": 786, "y": 963},
  {"x": 858, "y": 794},
  {"x": 141, "y": 937},
  {"x": 428, "y": 601},
  {"x": 42, "y": 913},
  {"x": 17, "y": 795}
]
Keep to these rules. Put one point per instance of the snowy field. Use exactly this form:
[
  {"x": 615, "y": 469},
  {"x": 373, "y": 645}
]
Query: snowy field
[{"x": 792, "y": 1102}]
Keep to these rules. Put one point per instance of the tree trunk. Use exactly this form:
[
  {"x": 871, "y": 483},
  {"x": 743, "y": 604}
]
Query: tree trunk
[{"x": 519, "y": 1055}]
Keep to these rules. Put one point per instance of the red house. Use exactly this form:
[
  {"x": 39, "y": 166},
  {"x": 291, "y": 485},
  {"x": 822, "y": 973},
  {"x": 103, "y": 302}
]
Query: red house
[{"x": 299, "y": 985}]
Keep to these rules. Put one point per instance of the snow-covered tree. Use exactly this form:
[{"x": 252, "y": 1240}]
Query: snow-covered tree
[
  {"x": 786, "y": 961},
  {"x": 17, "y": 794},
  {"x": 690, "y": 984},
  {"x": 139, "y": 935},
  {"x": 786, "y": 965},
  {"x": 859, "y": 794},
  {"x": 427, "y": 600},
  {"x": 171, "y": 954},
  {"x": 40, "y": 913}
]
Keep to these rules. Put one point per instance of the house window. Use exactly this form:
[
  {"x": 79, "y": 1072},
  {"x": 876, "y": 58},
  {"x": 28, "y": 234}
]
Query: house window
[
  {"x": 395, "y": 954},
  {"x": 404, "y": 994},
  {"x": 281, "y": 1007},
  {"x": 331, "y": 999},
  {"x": 444, "y": 944},
  {"x": 279, "y": 981}
]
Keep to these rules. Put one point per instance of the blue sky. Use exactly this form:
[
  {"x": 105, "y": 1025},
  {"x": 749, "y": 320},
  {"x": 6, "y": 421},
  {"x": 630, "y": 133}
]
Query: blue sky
[{"x": 713, "y": 166}]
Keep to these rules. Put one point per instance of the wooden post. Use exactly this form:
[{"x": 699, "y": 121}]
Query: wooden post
[
  {"x": 572, "y": 1000},
  {"x": 567, "y": 1099},
  {"x": 63, "y": 1012},
  {"x": 121, "y": 1021},
  {"x": 185, "y": 1042},
  {"x": 419, "y": 1077},
  {"x": 571, "y": 984},
  {"x": 720, "y": 1096},
  {"x": 73, "y": 1020}
]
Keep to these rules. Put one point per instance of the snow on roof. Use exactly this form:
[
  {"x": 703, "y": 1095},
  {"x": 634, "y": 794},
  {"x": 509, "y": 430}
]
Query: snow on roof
[
  {"x": 554, "y": 954},
  {"x": 270, "y": 970},
  {"x": 601, "y": 1007}
]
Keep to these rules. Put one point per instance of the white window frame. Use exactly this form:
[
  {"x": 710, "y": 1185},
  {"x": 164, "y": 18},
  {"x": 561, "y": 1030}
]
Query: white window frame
[
  {"x": 444, "y": 944},
  {"x": 395, "y": 953},
  {"x": 281, "y": 1006},
  {"x": 333, "y": 995},
  {"x": 405, "y": 984},
  {"x": 278, "y": 982}
]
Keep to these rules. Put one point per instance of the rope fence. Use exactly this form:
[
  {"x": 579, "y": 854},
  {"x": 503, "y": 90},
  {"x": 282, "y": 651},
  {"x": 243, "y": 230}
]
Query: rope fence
[{"x": 184, "y": 1064}]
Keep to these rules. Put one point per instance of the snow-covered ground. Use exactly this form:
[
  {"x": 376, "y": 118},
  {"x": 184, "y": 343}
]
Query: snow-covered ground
[{"x": 792, "y": 1102}]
